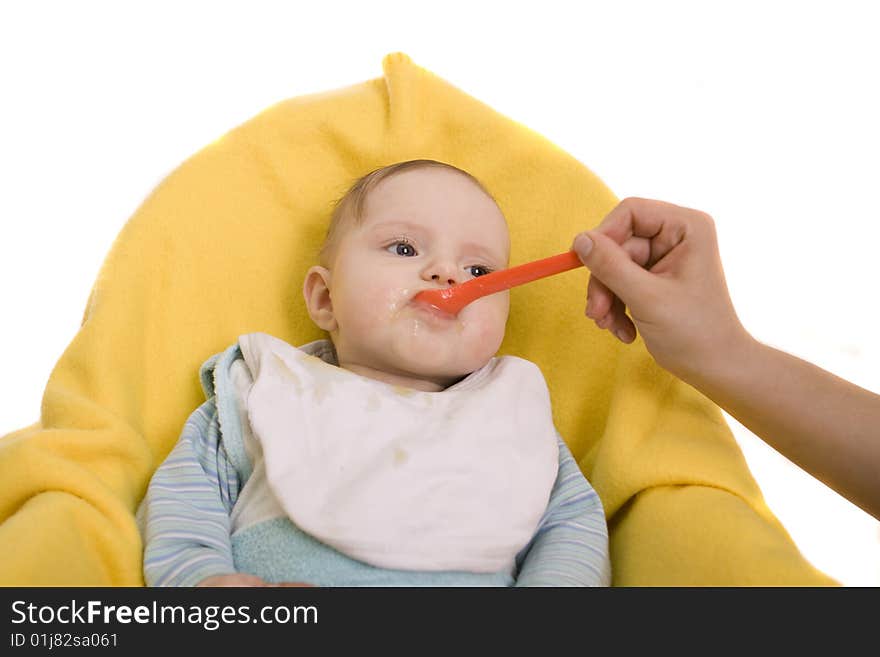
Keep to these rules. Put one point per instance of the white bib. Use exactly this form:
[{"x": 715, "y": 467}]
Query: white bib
[{"x": 398, "y": 478}]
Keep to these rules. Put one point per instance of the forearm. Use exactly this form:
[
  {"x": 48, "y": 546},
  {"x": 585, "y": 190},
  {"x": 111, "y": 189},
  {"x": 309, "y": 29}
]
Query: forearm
[{"x": 824, "y": 424}]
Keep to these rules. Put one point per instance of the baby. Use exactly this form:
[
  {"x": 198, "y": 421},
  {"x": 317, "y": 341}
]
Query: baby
[{"x": 401, "y": 451}]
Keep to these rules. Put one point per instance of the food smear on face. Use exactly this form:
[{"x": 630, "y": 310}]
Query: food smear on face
[{"x": 423, "y": 317}]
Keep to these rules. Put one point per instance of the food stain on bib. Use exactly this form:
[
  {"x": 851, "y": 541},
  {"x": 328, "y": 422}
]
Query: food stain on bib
[
  {"x": 400, "y": 456},
  {"x": 287, "y": 374},
  {"x": 321, "y": 390}
]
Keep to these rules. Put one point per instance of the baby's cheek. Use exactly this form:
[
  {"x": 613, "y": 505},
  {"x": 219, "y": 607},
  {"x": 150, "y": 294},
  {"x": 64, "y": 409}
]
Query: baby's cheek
[
  {"x": 389, "y": 303},
  {"x": 379, "y": 304},
  {"x": 487, "y": 332},
  {"x": 373, "y": 317}
]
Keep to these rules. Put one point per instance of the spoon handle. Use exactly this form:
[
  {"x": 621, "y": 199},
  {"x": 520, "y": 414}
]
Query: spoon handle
[
  {"x": 453, "y": 299},
  {"x": 526, "y": 273}
]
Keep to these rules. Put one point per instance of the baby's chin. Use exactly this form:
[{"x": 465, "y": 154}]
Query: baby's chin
[{"x": 438, "y": 360}]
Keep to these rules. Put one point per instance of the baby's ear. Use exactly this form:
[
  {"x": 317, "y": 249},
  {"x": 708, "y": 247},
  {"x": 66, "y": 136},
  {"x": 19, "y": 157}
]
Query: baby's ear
[{"x": 316, "y": 291}]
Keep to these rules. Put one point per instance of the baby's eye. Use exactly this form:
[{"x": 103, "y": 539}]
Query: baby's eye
[
  {"x": 479, "y": 270},
  {"x": 402, "y": 248}
]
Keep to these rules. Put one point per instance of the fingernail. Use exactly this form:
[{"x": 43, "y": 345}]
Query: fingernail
[
  {"x": 622, "y": 335},
  {"x": 583, "y": 244},
  {"x": 589, "y": 303}
]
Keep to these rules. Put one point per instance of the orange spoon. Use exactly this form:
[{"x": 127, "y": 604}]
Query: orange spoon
[{"x": 452, "y": 299}]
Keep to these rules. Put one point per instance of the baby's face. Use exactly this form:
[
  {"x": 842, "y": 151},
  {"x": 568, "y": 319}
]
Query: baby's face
[{"x": 422, "y": 229}]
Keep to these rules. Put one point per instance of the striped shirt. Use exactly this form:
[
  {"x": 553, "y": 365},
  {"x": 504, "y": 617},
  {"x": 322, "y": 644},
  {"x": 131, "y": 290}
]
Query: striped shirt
[{"x": 185, "y": 518}]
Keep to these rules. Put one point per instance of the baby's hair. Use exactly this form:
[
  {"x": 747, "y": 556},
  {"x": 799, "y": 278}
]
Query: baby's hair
[{"x": 349, "y": 208}]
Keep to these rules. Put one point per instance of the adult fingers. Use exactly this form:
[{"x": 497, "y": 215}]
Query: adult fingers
[
  {"x": 599, "y": 297},
  {"x": 612, "y": 265},
  {"x": 663, "y": 224},
  {"x": 618, "y": 322}
]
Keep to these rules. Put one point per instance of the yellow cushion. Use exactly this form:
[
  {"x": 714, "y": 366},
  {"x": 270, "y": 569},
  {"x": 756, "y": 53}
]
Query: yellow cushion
[{"x": 220, "y": 248}]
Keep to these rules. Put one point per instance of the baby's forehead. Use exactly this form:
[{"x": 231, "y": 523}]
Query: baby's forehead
[{"x": 487, "y": 227}]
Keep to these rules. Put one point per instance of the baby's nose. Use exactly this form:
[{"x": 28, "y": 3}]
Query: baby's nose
[
  {"x": 443, "y": 273},
  {"x": 437, "y": 278}
]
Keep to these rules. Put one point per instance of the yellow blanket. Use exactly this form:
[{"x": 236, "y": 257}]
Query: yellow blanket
[{"x": 220, "y": 248}]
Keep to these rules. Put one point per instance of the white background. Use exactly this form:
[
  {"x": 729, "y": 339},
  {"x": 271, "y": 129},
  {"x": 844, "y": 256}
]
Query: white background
[{"x": 764, "y": 115}]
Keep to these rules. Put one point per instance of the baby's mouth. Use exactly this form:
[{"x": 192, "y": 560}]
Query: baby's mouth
[{"x": 430, "y": 310}]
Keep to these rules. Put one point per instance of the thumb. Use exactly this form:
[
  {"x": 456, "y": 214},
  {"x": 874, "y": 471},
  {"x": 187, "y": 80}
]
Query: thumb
[{"x": 608, "y": 261}]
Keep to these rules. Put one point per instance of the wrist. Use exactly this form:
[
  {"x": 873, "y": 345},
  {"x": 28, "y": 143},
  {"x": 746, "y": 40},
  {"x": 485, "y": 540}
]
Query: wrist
[{"x": 722, "y": 364}]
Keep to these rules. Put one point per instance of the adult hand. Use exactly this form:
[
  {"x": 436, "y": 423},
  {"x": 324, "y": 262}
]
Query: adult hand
[{"x": 661, "y": 262}]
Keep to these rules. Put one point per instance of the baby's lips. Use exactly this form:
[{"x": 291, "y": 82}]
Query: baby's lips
[
  {"x": 434, "y": 297},
  {"x": 427, "y": 306}
]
